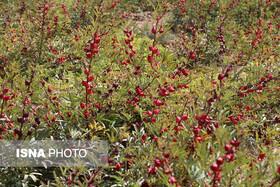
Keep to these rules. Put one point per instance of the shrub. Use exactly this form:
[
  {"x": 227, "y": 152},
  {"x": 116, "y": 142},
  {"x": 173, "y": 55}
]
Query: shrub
[{"x": 202, "y": 112}]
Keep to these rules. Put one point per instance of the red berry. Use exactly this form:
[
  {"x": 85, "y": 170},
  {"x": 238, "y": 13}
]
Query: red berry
[
  {"x": 209, "y": 130},
  {"x": 144, "y": 137},
  {"x": 89, "y": 55},
  {"x": 220, "y": 161},
  {"x": 86, "y": 71},
  {"x": 90, "y": 78},
  {"x": 82, "y": 105},
  {"x": 156, "y": 111},
  {"x": 216, "y": 125},
  {"x": 6, "y": 97},
  {"x": 250, "y": 90},
  {"x": 171, "y": 89},
  {"x": 166, "y": 155},
  {"x": 158, "y": 162},
  {"x": 184, "y": 117},
  {"x": 227, "y": 147},
  {"x": 54, "y": 118},
  {"x": 229, "y": 157},
  {"x": 118, "y": 166},
  {"x": 97, "y": 40},
  {"x": 159, "y": 103},
  {"x": 196, "y": 130},
  {"x": 178, "y": 119},
  {"x": 154, "y": 30},
  {"x": 220, "y": 76},
  {"x": 136, "y": 99},
  {"x": 184, "y": 71},
  {"x": 172, "y": 180},
  {"x": 261, "y": 156},
  {"x": 218, "y": 177},
  {"x": 198, "y": 139},
  {"x": 150, "y": 58},
  {"x": 214, "y": 167},
  {"x": 176, "y": 128},
  {"x": 193, "y": 56},
  {"x": 88, "y": 85},
  {"x": 5, "y": 90},
  {"x": 95, "y": 51},
  {"x": 126, "y": 41},
  {"x": 89, "y": 91},
  {"x": 156, "y": 51},
  {"x": 84, "y": 83}
]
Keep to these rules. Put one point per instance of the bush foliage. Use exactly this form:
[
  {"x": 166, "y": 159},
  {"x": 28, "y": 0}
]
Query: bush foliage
[{"x": 190, "y": 100}]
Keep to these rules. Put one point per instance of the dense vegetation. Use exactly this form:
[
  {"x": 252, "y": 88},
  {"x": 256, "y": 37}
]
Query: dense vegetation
[{"x": 188, "y": 96}]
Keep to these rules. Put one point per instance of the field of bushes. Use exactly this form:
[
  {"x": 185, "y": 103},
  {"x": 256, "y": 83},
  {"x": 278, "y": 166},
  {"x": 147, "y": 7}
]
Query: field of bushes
[{"x": 187, "y": 93}]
